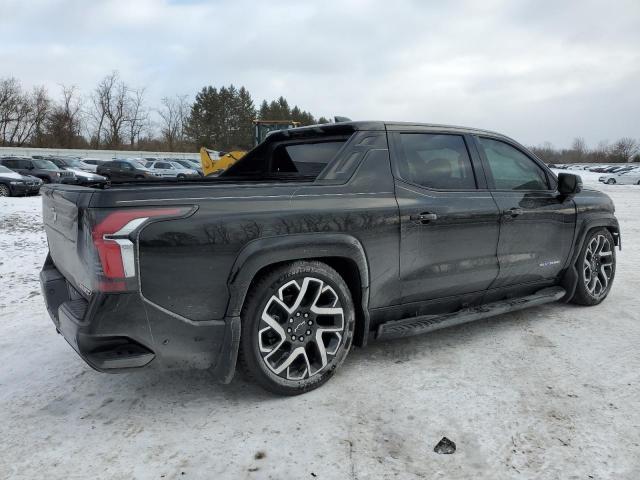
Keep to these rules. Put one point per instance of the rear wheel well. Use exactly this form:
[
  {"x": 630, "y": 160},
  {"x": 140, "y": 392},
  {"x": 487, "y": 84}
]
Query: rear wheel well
[{"x": 350, "y": 273}]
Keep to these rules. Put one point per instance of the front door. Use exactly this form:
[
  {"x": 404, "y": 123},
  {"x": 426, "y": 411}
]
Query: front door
[
  {"x": 449, "y": 226},
  {"x": 537, "y": 223}
]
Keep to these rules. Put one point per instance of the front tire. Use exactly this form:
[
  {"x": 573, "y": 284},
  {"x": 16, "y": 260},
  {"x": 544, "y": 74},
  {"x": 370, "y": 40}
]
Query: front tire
[
  {"x": 297, "y": 327},
  {"x": 4, "y": 190},
  {"x": 596, "y": 268},
  {"x": 611, "y": 181}
]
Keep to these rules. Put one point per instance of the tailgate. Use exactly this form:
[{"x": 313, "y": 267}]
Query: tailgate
[{"x": 64, "y": 215}]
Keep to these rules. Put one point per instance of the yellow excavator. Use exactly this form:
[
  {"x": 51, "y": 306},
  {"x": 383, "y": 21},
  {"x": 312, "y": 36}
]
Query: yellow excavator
[{"x": 214, "y": 164}]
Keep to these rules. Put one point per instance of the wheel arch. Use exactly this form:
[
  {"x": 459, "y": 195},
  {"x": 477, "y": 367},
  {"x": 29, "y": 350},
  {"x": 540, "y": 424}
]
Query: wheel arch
[
  {"x": 344, "y": 253},
  {"x": 570, "y": 277},
  {"x": 7, "y": 184}
]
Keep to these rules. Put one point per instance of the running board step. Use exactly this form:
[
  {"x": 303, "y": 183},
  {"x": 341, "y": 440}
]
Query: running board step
[{"x": 408, "y": 327}]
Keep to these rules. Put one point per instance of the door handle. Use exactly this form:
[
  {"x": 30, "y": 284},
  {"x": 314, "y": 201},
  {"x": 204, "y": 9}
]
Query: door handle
[
  {"x": 423, "y": 218},
  {"x": 513, "y": 212}
]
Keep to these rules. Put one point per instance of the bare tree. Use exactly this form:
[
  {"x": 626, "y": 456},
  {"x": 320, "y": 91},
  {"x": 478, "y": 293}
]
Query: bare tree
[
  {"x": 109, "y": 113},
  {"x": 174, "y": 114},
  {"x": 579, "y": 146},
  {"x": 137, "y": 115},
  {"x": 10, "y": 93},
  {"x": 100, "y": 100},
  {"x": 64, "y": 123},
  {"x": 625, "y": 149},
  {"x": 21, "y": 114}
]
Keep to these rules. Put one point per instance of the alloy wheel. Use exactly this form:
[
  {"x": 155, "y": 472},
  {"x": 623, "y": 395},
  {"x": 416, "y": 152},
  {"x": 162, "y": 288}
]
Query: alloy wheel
[
  {"x": 598, "y": 265},
  {"x": 301, "y": 328}
]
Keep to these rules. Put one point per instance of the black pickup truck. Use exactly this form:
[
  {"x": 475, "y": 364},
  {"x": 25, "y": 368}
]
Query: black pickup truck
[{"x": 319, "y": 238}]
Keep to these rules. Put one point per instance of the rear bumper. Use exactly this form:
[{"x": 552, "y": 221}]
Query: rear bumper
[{"x": 123, "y": 332}]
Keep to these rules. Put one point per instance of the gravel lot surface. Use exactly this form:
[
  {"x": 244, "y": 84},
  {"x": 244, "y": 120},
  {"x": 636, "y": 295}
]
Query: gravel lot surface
[{"x": 550, "y": 392}]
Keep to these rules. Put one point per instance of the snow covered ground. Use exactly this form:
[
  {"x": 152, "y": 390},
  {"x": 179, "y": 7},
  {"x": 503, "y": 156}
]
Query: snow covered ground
[{"x": 551, "y": 392}]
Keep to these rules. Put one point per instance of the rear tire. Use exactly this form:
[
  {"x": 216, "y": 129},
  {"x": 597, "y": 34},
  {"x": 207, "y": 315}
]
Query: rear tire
[
  {"x": 596, "y": 268},
  {"x": 611, "y": 181},
  {"x": 297, "y": 327}
]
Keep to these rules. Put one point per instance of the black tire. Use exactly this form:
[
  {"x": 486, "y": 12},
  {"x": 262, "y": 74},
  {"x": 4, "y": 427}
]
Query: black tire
[
  {"x": 324, "y": 288},
  {"x": 611, "y": 181},
  {"x": 181, "y": 177},
  {"x": 4, "y": 190},
  {"x": 591, "y": 266}
]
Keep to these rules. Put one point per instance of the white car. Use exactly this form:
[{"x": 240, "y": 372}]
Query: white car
[
  {"x": 171, "y": 170},
  {"x": 631, "y": 177}
]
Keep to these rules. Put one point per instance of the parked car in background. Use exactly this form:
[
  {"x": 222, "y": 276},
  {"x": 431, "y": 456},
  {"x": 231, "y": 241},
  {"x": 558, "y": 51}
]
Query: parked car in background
[
  {"x": 45, "y": 170},
  {"x": 76, "y": 164},
  {"x": 172, "y": 170},
  {"x": 13, "y": 184},
  {"x": 191, "y": 164},
  {"x": 627, "y": 177},
  {"x": 82, "y": 176},
  {"x": 94, "y": 161},
  {"x": 126, "y": 170}
]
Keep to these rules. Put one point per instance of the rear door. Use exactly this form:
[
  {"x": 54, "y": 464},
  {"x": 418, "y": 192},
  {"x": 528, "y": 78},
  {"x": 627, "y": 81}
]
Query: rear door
[
  {"x": 111, "y": 169},
  {"x": 449, "y": 221},
  {"x": 536, "y": 222}
]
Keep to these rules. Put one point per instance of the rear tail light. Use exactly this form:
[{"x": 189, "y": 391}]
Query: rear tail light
[{"x": 114, "y": 243}]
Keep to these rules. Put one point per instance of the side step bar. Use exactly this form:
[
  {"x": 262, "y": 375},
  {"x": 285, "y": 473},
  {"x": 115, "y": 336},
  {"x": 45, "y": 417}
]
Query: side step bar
[{"x": 408, "y": 327}]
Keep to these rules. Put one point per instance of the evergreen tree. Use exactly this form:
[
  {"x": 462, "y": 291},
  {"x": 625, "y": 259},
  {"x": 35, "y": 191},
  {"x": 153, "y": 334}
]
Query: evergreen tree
[{"x": 222, "y": 119}]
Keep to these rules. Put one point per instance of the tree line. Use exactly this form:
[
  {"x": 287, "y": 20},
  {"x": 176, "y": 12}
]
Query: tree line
[
  {"x": 116, "y": 115},
  {"x": 623, "y": 150}
]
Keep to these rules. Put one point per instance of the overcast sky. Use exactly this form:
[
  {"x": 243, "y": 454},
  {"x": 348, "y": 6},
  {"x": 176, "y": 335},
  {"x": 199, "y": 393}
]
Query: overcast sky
[{"x": 537, "y": 71}]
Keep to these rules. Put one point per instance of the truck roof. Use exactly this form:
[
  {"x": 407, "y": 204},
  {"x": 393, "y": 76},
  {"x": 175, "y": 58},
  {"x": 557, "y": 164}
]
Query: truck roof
[{"x": 346, "y": 127}]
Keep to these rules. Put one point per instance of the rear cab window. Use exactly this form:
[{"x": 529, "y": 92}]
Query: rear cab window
[{"x": 301, "y": 155}]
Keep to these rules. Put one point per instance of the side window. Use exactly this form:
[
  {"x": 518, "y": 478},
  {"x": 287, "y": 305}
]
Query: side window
[
  {"x": 436, "y": 161},
  {"x": 511, "y": 169}
]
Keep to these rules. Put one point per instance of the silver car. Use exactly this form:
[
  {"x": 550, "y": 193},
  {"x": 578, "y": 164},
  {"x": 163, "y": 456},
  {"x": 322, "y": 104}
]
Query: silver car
[
  {"x": 171, "y": 170},
  {"x": 630, "y": 177}
]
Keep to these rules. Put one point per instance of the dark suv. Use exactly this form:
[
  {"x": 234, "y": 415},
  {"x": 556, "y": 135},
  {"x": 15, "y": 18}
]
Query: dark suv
[
  {"x": 126, "y": 171},
  {"x": 42, "y": 169}
]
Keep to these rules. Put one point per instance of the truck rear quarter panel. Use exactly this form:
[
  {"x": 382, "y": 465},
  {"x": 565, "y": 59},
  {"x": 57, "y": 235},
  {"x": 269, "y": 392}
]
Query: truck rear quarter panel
[{"x": 185, "y": 265}]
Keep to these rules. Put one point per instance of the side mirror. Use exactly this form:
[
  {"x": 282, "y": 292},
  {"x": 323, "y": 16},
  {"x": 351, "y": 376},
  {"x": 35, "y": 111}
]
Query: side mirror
[{"x": 569, "y": 184}]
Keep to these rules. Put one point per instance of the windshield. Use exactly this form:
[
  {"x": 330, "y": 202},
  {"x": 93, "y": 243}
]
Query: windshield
[
  {"x": 45, "y": 165},
  {"x": 138, "y": 164},
  {"x": 4, "y": 169},
  {"x": 179, "y": 166},
  {"x": 75, "y": 163}
]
